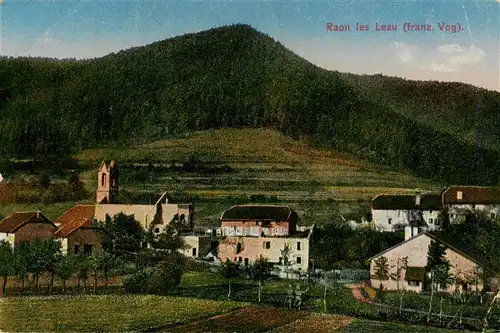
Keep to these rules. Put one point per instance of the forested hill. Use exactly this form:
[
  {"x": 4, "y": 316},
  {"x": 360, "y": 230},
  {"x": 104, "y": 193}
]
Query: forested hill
[{"x": 236, "y": 76}]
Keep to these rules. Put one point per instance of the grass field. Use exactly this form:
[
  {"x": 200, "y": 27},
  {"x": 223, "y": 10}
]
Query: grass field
[
  {"x": 119, "y": 313},
  {"x": 112, "y": 313}
]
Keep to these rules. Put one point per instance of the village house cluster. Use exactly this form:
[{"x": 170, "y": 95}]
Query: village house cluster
[
  {"x": 395, "y": 212},
  {"x": 250, "y": 232}
]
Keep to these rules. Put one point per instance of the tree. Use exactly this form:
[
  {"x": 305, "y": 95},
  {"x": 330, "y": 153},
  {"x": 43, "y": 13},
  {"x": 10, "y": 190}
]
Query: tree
[
  {"x": 260, "y": 271},
  {"x": 168, "y": 272},
  {"x": 51, "y": 253},
  {"x": 126, "y": 234},
  {"x": 22, "y": 262},
  {"x": 6, "y": 263},
  {"x": 230, "y": 271},
  {"x": 401, "y": 265},
  {"x": 84, "y": 266},
  {"x": 439, "y": 268},
  {"x": 44, "y": 180},
  {"x": 102, "y": 261},
  {"x": 170, "y": 239},
  {"x": 285, "y": 255},
  {"x": 381, "y": 269},
  {"x": 65, "y": 267}
]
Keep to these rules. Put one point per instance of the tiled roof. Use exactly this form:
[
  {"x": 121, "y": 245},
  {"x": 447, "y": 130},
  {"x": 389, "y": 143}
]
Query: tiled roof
[
  {"x": 67, "y": 228},
  {"x": 406, "y": 202},
  {"x": 75, "y": 218},
  {"x": 259, "y": 212},
  {"x": 15, "y": 221},
  {"x": 472, "y": 195},
  {"x": 77, "y": 212}
]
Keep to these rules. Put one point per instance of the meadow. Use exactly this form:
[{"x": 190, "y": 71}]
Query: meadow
[{"x": 199, "y": 304}]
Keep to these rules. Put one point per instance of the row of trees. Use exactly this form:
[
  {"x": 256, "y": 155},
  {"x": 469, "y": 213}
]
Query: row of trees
[
  {"x": 33, "y": 259},
  {"x": 259, "y": 271},
  {"x": 159, "y": 263}
]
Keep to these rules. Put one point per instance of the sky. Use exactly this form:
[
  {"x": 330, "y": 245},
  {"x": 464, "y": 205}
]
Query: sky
[{"x": 460, "y": 41}]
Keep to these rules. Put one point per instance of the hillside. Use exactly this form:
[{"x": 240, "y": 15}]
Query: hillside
[
  {"x": 231, "y": 166},
  {"x": 216, "y": 169},
  {"x": 235, "y": 76}
]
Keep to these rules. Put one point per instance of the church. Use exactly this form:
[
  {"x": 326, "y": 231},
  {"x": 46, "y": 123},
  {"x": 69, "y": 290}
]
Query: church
[{"x": 80, "y": 217}]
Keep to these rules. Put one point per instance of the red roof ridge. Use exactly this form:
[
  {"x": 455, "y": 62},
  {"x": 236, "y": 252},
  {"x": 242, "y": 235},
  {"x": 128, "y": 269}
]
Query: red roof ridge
[
  {"x": 74, "y": 224},
  {"x": 28, "y": 215},
  {"x": 70, "y": 209}
]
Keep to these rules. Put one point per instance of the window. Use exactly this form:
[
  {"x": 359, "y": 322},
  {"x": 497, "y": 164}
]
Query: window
[
  {"x": 298, "y": 246},
  {"x": 460, "y": 195},
  {"x": 87, "y": 249},
  {"x": 492, "y": 215},
  {"x": 246, "y": 261},
  {"x": 431, "y": 220},
  {"x": 389, "y": 221},
  {"x": 240, "y": 259},
  {"x": 157, "y": 230},
  {"x": 299, "y": 260},
  {"x": 103, "y": 179},
  {"x": 414, "y": 283},
  {"x": 194, "y": 252},
  {"x": 268, "y": 245},
  {"x": 77, "y": 248}
]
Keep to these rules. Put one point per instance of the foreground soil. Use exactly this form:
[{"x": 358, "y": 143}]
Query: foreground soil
[
  {"x": 248, "y": 319},
  {"x": 316, "y": 324},
  {"x": 265, "y": 319}
]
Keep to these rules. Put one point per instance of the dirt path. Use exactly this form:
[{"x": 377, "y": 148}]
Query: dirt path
[
  {"x": 356, "y": 292},
  {"x": 315, "y": 324},
  {"x": 249, "y": 319}
]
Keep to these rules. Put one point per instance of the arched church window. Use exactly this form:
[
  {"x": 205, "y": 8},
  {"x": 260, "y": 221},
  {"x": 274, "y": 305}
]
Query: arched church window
[{"x": 103, "y": 179}]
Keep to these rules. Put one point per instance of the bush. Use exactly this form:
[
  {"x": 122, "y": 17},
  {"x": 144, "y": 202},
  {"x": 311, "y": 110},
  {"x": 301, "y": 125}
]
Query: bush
[
  {"x": 414, "y": 301},
  {"x": 139, "y": 281},
  {"x": 160, "y": 279}
]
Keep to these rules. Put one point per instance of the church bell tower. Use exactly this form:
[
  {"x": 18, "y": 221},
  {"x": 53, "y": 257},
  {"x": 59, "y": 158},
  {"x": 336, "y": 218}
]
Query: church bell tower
[{"x": 107, "y": 183}]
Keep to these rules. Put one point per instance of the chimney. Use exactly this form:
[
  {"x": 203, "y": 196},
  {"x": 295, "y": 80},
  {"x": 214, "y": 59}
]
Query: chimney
[
  {"x": 411, "y": 232},
  {"x": 408, "y": 231},
  {"x": 417, "y": 199}
]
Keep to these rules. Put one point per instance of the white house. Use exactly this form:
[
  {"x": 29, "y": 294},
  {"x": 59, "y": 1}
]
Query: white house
[
  {"x": 413, "y": 276},
  {"x": 394, "y": 212},
  {"x": 460, "y": 200}
]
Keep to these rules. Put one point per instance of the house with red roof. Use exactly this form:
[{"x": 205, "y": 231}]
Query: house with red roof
[
  {"x": 25, "y": 226},
  {"x": 78, "y": 232},
  {"x": 264, "y": 231}
]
